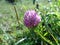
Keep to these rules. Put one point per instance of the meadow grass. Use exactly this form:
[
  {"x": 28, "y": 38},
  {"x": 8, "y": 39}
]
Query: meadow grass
[{"x": 10, "y": 29}]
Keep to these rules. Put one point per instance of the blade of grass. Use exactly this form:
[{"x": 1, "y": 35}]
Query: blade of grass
[
  {"x": 20, "y": 41},
  {"x": 16, "y": 15},
  {"x": 45, "y": 39},
  {"x": 51, "y": 33}
]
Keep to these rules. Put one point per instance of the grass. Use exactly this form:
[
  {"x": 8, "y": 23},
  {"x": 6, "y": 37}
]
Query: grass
[{"x": 12, "y": 32}]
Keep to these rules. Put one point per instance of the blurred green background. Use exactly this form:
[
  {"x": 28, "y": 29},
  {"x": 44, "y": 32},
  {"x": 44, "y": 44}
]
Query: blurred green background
[{"x": 47, "y": 32}]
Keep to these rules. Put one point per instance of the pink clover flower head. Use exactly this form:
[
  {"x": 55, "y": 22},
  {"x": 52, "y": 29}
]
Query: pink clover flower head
[{"x": 31, "y": 18}]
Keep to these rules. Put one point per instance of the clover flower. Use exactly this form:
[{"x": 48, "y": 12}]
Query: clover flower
[{"x": 31, "y": 18}]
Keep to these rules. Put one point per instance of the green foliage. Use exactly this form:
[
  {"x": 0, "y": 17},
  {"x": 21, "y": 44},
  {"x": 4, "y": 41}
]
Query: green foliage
[{"x": 46, "y": 33}]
